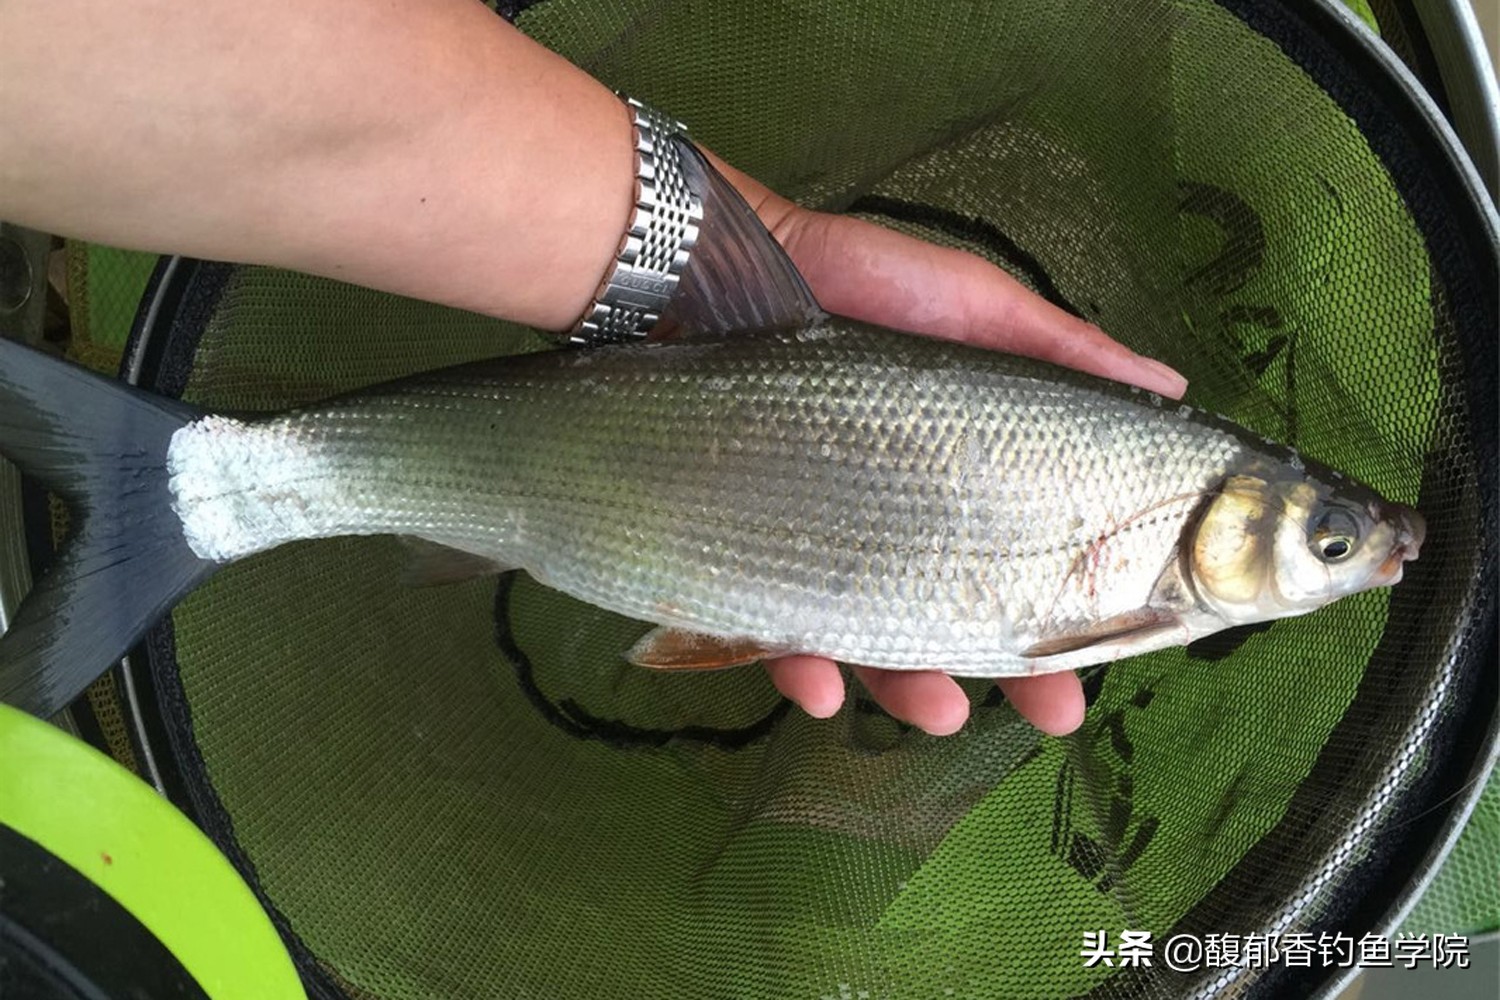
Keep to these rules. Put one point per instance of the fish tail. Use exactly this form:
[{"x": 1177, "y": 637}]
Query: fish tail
[{"x": 102, "y": 446}]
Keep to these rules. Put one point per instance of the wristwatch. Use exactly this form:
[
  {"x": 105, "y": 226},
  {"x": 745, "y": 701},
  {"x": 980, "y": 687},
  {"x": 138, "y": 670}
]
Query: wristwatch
[{"x": 655, "y": 249}]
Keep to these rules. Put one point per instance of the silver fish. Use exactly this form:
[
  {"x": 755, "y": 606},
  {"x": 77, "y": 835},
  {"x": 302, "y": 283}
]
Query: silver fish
[{"x": 874, "y": 497}]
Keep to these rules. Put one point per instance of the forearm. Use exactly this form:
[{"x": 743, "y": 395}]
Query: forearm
[{"x": 427, "y": 148}]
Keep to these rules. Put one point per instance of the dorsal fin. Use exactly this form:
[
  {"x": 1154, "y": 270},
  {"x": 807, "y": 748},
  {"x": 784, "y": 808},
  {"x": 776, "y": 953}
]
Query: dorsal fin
[{"x": 738, "y": 278}]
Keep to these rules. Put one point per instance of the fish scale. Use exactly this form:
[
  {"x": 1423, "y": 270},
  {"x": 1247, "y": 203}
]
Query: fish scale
[{"x": 870, "y": 496}]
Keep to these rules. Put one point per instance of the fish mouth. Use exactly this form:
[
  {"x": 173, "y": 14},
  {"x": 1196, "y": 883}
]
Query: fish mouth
[{"x": 1411, "y": 532}]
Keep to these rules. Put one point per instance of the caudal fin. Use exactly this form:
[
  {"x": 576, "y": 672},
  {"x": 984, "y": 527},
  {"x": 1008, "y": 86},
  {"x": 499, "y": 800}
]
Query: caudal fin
[{"x": 102, "y": 446}]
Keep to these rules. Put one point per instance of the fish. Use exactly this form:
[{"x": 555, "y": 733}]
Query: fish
[{"x": 835, "y": 488}]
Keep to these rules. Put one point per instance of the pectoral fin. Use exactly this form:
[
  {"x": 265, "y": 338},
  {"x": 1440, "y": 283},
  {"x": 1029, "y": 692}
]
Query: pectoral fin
[
  {"x": 669, "y": 648},
  {"x": 429, "y": 564},
  {"x": 1136, "y": 624}
]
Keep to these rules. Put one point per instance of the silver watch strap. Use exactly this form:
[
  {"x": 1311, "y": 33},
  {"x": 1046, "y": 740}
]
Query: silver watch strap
[{"x": 654, "y": 252}]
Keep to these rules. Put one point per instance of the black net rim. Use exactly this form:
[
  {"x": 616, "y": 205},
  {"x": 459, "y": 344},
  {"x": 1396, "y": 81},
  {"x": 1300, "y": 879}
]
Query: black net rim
[{"x": 1434, "y": 176}]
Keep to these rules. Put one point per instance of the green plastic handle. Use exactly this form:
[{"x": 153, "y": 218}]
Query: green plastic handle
[{"x": 115, "y": 830}]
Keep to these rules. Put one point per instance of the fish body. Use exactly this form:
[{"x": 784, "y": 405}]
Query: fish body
[{"x": 843, "y": 490}]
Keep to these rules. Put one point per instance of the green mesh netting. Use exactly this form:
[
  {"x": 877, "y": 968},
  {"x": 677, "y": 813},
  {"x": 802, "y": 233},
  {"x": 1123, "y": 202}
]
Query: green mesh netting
[
  {"x": 464, "y": 792},
  {"x": 1465, "y": 896}
]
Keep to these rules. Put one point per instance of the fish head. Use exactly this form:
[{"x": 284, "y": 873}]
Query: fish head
[{"x": 1276, "y": 544}]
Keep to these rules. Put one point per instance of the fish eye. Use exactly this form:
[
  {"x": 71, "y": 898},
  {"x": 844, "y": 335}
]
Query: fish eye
[
  {"x": 1334, "y": 549},
  {"x": 1334, "y": 535}
]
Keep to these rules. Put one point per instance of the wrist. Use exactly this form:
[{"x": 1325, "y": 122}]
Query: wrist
[
  {"x": 593, "y": 202},
  {"x": 654, "y": 251}
]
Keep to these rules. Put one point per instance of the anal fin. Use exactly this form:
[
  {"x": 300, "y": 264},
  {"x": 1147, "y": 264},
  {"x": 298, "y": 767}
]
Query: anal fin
[
  {"x": 668, "y": 648},
  {"x": 429, "y": 563},
  {"x": 1137, "y": 624}
]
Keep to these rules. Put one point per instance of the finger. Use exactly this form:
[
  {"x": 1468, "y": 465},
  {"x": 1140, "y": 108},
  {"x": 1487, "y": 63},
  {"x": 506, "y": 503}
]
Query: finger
[
  {"x": 1018, "y": 320},
  {"x": 931, "y": 701},
  {"x": 772, "y": 208},
  {"x": 864, "y": 271},
  {"x": 1052, "y": 702},
  {"x": 812, "y": 682}
]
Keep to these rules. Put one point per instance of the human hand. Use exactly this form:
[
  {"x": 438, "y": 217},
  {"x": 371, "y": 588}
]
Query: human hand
[{"x": 866, "y": 272}]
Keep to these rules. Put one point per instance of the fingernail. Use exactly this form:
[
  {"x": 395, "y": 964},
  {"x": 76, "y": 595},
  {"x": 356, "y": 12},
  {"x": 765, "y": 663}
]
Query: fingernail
[
  {"x": 1173, "y": 382},
  {"x": 821, "y": 708}
]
